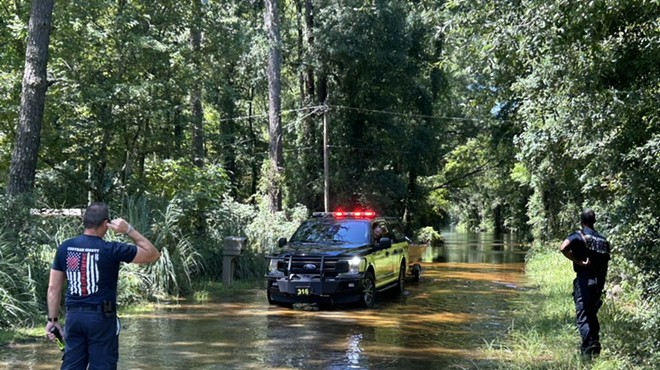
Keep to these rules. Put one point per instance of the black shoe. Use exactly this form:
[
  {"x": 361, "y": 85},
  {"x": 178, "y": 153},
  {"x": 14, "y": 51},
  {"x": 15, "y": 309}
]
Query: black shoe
[
  {"x": 585, "y": 357},
  {"x": 593, "y": 350}
]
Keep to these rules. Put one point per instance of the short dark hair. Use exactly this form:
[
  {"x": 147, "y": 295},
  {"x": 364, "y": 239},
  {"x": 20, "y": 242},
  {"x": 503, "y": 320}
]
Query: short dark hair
[
  {"x": 95, "y": 214},
  {"x": 588, "y": 217}
]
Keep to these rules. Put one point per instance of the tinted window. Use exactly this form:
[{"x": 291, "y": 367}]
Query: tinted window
[{"x": 329, "y": 230}]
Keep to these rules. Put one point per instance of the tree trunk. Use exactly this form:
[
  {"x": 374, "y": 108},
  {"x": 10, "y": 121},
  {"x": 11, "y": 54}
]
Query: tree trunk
[
  {"x": 229, "y": 131},
  {"x": 309, "y": 161},
  {"x": 253, "y": 148},
  {"x": 24, "y": 156},
  {"x": 271, "y": 19},
  {"x": 300, "y": 47},
  {"x": 196, "y": 90},
  {"x": 309, "y": 27},
  {"x": 305, "y": 43}
]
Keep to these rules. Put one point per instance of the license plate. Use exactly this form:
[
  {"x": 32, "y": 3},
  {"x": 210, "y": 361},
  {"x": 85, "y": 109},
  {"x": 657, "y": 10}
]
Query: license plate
[{"x": 303, "y": 291}]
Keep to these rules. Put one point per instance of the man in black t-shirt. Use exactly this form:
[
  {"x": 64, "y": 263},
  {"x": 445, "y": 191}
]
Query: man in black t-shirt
[
  {"x": 90, "y": 267},
  {"x": 590, "y": 253}
]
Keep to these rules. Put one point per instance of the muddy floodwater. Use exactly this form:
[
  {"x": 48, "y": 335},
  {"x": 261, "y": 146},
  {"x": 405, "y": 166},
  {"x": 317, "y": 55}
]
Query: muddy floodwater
[{"x": 462, "y": 301}]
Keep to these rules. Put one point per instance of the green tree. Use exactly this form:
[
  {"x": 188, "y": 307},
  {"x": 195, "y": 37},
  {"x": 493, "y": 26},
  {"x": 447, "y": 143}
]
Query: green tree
[
  {"x": 33, "y": 94},
  {"x": 14, "y": 16},
  {"x": 117, "y": 97}
]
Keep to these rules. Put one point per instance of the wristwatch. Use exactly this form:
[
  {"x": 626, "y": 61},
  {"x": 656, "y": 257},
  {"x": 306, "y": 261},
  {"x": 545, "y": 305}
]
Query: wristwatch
[{"x": 52, "y": 319}]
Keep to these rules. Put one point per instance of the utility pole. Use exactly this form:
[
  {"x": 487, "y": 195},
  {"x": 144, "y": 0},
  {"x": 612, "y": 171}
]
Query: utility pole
[{"x": 326, "y": 162}]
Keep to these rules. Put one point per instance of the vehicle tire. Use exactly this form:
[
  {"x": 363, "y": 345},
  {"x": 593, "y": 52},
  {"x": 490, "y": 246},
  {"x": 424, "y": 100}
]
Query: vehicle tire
[
  {"x": 270, "y": 300},
  {"x": 416, "y": 271},
  {"x": 368, "y": 290},
  {"x": 402, "y": 279}
]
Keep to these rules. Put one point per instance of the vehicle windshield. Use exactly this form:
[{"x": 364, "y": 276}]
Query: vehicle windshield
[{"x": 332, "y": 230}]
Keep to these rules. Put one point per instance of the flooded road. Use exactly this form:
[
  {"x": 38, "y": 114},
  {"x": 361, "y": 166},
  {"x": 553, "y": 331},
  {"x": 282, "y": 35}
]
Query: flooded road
[{"x": 460, "y": 303}]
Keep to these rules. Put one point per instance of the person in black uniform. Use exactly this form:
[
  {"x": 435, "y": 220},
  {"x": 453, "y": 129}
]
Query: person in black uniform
[
  {"x": 590, "y": 252},
  {"x": 90, "y": 267}
]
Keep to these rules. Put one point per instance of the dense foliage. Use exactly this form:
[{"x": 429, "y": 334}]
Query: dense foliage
[
  {"x": 492, "y": 115},
  {"x": 579, "y": 83}
]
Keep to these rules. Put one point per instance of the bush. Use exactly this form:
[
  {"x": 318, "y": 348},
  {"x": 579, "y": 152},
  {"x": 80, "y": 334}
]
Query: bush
[
  {"x": 428, "y": 235},
  {"x": 180, "y": 260},
  {"x": 257, "y": 224},
  {"x": 263, "y": 233},
  {"x": 197, "y": 191}
]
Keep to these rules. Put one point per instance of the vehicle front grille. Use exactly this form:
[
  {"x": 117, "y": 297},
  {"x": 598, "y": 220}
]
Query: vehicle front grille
[{"x": 309, "y": 265}]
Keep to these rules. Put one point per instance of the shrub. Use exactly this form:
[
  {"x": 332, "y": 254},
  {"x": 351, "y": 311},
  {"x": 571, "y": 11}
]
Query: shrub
[
  {"x": 197, "y": 190},
  {"x": 428, "y": 235},
  {"x": 263, "y": 233}
]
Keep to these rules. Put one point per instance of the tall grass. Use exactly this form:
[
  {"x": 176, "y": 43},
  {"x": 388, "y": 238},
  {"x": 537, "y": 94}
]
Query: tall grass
[
  {"x": 180, "y": 261},
  {"x": 543, "y": 334},
  {"x": 17, "y": 289},
  {"x": 25, "y": 257}
]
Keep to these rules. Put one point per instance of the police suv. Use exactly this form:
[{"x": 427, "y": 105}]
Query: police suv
[{"x": 338, "y": 258}]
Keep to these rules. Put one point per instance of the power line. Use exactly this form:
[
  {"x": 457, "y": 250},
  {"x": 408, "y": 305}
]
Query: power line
[
  {"x": 265, "y": 115},
  {"x": 314, "y": 109},
  {"x": 365, "y": 110}
]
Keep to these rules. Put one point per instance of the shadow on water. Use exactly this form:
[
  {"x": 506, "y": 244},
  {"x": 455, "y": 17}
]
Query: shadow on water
[{"x": 459, "y": 304}]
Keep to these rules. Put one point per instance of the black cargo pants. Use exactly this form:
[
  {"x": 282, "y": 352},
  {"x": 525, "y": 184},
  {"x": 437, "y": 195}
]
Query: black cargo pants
[{"x": 587, "y": 290}]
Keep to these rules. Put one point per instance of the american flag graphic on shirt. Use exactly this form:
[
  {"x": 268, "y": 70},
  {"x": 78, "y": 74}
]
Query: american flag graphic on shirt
[{"x": 82, "y": 271}]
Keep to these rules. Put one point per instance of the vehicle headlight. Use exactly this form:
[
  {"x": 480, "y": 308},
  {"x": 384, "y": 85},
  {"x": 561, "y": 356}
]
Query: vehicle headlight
[
  {"x": 349, "y": 266},
  {"x": 272, "y": 266},
  {"x": 354, "y": 265}
]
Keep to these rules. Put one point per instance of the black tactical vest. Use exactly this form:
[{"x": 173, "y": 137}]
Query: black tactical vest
[
  {"x": 597, "y": 248},
  {"x": 597, "y": 244}
]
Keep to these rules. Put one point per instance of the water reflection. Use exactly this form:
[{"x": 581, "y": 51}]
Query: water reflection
[
  {"x": 478, "y": 248},
  {"x": 460, "y": 303}
]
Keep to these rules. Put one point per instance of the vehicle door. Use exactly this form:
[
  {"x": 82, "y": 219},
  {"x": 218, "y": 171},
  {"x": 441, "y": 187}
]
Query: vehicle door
[
  {"x": 399, "y": 250},
  {"x": 381, "y": 257}
]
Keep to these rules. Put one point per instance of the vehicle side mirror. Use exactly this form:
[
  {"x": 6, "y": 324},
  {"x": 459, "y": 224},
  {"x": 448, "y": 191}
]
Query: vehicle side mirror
[
  {"x": 385, "y": 243},
  {"x": 281, "y": 242}
]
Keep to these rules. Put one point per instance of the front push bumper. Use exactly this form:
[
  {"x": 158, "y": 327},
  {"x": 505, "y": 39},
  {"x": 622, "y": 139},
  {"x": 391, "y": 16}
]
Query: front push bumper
[{"x": 313, "y": 290}]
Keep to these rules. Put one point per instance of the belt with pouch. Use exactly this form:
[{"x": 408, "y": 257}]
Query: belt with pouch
[
  {"x": 85, "y": 308},
  {"x": 107, "y": 308}
]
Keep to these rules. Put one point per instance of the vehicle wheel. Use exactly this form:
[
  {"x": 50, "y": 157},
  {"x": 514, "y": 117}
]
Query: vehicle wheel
[
  {"x": 368, "y": 290},
  {"x": 270, "y": 300},
  {"x": 416, "y": 273},
  {"x": 402, "y": 279}
]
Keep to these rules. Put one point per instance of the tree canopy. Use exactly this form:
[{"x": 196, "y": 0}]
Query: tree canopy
[{"x": 497, "y": 115}]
